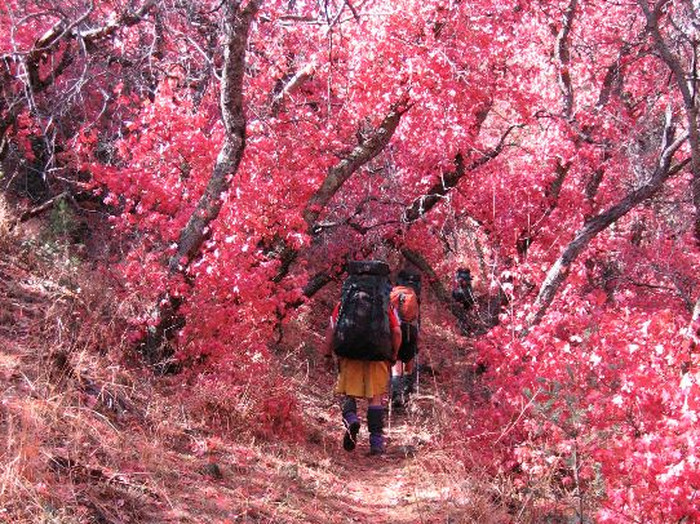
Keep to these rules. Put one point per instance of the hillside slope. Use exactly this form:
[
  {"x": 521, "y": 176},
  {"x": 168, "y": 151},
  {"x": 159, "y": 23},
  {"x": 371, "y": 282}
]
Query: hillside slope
[{"x": 91, "y": 435}]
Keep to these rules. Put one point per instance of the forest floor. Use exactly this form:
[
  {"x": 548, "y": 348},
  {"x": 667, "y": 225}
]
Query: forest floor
[{"x": 88, "y": 435}]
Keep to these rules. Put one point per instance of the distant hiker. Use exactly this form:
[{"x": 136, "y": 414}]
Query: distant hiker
[
  {"x": 462, "y": 288},
  {"x": 405, "y": 297},
  {"x": 365, "y": 335}
]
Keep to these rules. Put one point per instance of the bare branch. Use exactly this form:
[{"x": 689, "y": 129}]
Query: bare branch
[
  {"x": 35, "y": 211},
  {"x": 341, "y": 172},
  {"x": 562, "y": 52},
  {"x": 29, "y": 62},
  {"x": 421, "y": 205},
  {"x": 613, "y": 77},
  {"x": 560, "y": 269},
  {"x": 295, "y": 81},
  {"x": 359, "y": 156},
  {"x": 681, "y": 79},
  {"x": 126, "y": 19}
]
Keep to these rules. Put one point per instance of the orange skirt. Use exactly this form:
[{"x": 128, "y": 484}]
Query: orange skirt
[{"x": 363, "y": 378}]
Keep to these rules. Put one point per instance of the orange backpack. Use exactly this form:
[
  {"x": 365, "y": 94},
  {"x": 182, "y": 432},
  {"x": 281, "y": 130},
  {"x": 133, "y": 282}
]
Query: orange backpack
[{"x": 404, "y": 299}]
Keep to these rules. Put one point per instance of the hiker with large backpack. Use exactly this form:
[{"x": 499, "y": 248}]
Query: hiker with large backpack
[
  {"x": 462, "y": 291},
  {"x": 365, "y": 336},
  {"x": 405, "y": 297}
]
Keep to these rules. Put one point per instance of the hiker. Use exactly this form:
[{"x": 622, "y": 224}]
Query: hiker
[
  {"x": 462, "y": 289},
  {"x": 405, "y": 297},
  {"x": 365, "y": 335}
]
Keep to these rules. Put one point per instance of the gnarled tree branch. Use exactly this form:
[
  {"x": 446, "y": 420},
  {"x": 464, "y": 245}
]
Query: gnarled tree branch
[
  {"x": 290, "y": 85},
  {"x": 562, "y": 52},
  {"x": 421, "y": 205},
  {"x": 233, "y": 117},
  {"x": 29, "y": 62},
  {"x": 687, "y": 92},
  {"x": 359, "y": 156},
  {"x": 341, "y": 172},
  {"x": 155, "y": 346},
  {"x": 560, "y": 269}
]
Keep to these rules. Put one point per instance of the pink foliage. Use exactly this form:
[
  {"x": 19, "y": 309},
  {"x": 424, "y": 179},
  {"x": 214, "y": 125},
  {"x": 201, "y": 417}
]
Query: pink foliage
[{"x": 554, "y": 127}]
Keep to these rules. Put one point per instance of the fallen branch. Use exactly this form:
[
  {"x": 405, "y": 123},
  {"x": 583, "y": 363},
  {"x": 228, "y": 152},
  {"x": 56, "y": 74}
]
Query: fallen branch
[{"x": 38, "y": 210}]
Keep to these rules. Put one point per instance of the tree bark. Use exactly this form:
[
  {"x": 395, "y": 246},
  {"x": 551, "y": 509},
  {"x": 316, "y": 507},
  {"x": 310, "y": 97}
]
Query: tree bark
[
  {"x": 229, "y": 158},
  {"x": 340, "y": 173},
  {"x": 562, "y": 52},
  {"x": 359, "y": 156},
  {"x": 421, "y": 205},
  {"x": 156, "y": 347}
]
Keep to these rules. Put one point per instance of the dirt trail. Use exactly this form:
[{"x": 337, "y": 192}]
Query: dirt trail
[
  {"x": 416, "y": 481},
  {"x": 384, "y": 488},
  {"x": 396, "y": 487},
  {"x": 240, "y": 481}
]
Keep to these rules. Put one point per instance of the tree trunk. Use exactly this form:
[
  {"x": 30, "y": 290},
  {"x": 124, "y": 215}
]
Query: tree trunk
[
  {"x": 231, "y": 99},
  {"x": 684, "y": 81},
  {"x": 156, "y": 347}
]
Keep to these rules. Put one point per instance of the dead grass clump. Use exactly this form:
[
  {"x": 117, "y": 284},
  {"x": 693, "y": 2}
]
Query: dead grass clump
[
  {"x": 60, "y": 456},
  {"x": 70, "y": 418}
]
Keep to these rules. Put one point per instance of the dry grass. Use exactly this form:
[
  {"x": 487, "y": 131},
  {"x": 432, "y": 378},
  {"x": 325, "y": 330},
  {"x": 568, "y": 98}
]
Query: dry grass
[
  {"x": 89, "y": 435},
  {"x": 74, "y": 421}
]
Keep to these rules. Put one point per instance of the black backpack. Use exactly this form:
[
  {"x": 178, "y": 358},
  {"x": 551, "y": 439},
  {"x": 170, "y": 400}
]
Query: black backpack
[{"x": 362, "y": 331}]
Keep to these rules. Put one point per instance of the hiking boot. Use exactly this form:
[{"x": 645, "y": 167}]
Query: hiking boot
[
  {"x": 397, "y": 391},
  {"x": 376, "y": 445},
  {"x": 377, "y": 450},
  {"x": 375, "y": 423},
  {"x": 350, "y": 436},
  {"x": 409, "y": 388},
  {"x": 352, "y": 424}
]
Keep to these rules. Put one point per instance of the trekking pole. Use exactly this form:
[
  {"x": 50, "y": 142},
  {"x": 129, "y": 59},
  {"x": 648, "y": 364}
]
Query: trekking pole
[
  {"x": 403, "y": 385},
  {"x": 417, "y": 368},
  {"x": 391, "y": 394}
]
